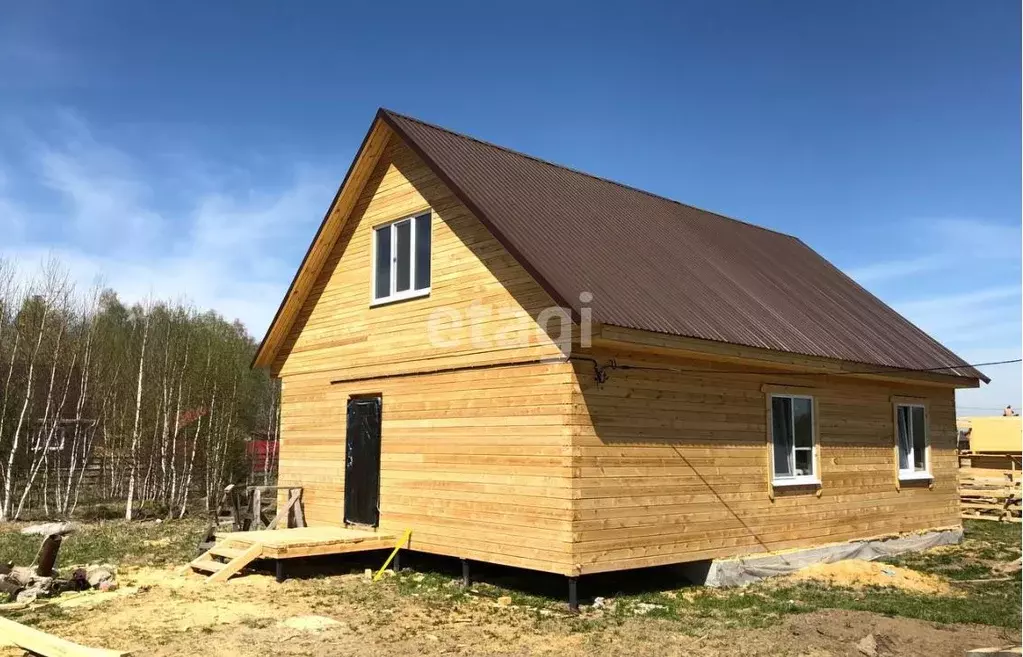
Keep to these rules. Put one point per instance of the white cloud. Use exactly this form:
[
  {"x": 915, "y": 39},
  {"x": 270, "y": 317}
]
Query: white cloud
[
  {"x": 966, "y": 239},
  {"x": 232, "y": 249},
  {"x": 892, "y": 269},
  {"x": 959, "y": 282},
  {"x": 964, "y": 313},
  {"x": 935, "y": 245},
  {"x": 982, "y": 326}
]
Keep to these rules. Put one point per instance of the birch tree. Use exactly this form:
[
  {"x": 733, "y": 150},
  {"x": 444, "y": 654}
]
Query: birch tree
[{"x": 146, "y": 405}]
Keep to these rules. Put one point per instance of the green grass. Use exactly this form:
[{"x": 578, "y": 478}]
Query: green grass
[
  {"x": 986, "y": 545},
  {"x": 696, "y": 609},
  {"x": 987, "y": 549},
  {"x": 116, "y": 542}
]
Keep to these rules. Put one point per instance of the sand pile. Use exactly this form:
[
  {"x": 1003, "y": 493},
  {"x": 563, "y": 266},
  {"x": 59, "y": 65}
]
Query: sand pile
[
  {"x": 309, "y": 623},
  {"x": 855, "y": 573}
]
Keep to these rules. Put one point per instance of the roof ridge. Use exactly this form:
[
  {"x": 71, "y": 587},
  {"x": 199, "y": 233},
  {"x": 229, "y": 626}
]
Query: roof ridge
[{"x": 581, "y": 172}]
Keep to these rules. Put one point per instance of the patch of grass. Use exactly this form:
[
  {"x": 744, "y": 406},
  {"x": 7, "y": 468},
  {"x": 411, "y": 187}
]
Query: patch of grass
[
  {"x": 986, "y": 545},
  {"x": 698, "y": 609},
  {"x": 116, "y": 542},
  {"x": 38, "y": 616},
  {"x": 430, "y": 586},
  {"x": 994, "y": 603}
]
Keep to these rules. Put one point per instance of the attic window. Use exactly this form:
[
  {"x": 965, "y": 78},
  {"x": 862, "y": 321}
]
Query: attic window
[{"x": 401, "y": 259}]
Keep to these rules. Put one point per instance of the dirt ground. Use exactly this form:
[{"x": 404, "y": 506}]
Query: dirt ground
[
  {"x": 939, "y": 602},
  {"x": 160, "y": 613}
]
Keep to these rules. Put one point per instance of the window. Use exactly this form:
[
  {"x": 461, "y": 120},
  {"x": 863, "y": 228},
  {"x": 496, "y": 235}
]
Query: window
[
  {"x": 792, "y": 429},
  {"x": 401, "y": 259},
  {"x": 911, "y": 435}
]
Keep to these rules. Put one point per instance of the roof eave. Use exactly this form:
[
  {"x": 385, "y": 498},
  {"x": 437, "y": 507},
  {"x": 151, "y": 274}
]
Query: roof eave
[{"x": 956, "y": 376}]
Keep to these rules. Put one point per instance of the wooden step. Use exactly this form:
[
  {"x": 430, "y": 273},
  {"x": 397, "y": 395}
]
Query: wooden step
[
  {"x": 222, "y": 570},
  {"x": 226, "y": 552},
  {"x": 231, "y": 567},
  {"x": 208, "y": 565}
]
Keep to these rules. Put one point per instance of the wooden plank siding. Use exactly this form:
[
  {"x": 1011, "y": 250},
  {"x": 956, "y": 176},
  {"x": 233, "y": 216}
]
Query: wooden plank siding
[
  {"x": 336, "y": 329},
  {"x": 476, "y": 461},
  {"x": 673, "y": 466}
]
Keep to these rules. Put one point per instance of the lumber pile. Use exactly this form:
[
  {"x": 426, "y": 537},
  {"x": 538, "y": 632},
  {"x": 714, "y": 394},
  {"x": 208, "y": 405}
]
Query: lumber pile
[
  {"x": 990, "y": 464},
  {"x": 990, "y": 498}
]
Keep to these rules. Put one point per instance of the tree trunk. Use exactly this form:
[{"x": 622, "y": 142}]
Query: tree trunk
[
  {"x": 133, "y": 465},
  {"x": 5, "y": 508}
]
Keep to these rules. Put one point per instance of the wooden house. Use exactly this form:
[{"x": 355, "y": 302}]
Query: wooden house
[{"x": 529, "y": 365}]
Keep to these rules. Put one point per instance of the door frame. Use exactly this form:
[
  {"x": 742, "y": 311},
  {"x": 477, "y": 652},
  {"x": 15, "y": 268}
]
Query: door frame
[{"x": 344, "y": 498}]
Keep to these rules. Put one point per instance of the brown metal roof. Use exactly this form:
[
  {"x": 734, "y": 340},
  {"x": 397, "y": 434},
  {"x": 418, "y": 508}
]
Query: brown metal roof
[{"x": 657, "y": 265}]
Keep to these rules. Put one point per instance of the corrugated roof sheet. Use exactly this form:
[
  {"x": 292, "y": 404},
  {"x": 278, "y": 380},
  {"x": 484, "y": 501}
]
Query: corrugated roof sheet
[{"x": 658, "y": 265}]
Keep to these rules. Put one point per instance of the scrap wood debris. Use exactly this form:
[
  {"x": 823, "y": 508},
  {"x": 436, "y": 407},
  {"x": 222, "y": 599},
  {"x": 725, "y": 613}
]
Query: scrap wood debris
[
  {"x": 38, "y": 642},
  {"x": 23, "y": 584}
]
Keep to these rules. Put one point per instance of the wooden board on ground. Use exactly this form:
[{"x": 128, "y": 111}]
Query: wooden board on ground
[{"x": 48, "y": 645}]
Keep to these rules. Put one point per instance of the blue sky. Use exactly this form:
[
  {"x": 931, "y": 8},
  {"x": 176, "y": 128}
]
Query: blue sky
[{"x": 190, "y": 149}]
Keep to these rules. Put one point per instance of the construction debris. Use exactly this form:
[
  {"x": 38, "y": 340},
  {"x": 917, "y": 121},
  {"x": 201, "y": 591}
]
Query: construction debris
[
  {"x": 22, "y": 584},
  {"x": 991, "y": 498},
  {"x": 47, "y": 645},
  {"x": 98, "y": 576},
  {"x": 740, "y": 571},
  {"x": 49, "y": 529},
  {"x": 875, "y": 645},
  {"x": 26, "y": 584},
  {"x": 1007, "y": 651}
]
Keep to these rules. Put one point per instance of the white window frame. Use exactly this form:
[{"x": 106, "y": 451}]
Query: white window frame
[
  {"x": 911, "y": 473},
  {"x": 812, "y": 479},
  {"x": 411, "y": 293}
]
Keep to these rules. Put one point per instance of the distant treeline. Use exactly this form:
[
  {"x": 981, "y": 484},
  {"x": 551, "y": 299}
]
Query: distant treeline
[{"x": 159, "y": 393}]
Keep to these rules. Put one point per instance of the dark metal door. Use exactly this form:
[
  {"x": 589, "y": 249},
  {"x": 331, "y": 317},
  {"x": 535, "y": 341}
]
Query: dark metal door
[{"x": 362, "y": 462}]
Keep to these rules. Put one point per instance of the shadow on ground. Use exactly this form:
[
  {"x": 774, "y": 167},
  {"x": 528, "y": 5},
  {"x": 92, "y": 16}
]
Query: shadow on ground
[{"x": 520, "y": 580}]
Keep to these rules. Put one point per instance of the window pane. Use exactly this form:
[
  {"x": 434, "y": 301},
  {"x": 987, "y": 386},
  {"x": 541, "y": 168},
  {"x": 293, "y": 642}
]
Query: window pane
[
  {"x": 903, "y": 417},
  {"x": 422, "y": 252},
  {"x": 403, "y": 255},
  {"x": 919, "y": 439},
  {"x": 383, "y": 263},
  {"x": 804, "y": 461},
  {"x": 781, "y": 432},
  {"x": 803, "y": 409}
]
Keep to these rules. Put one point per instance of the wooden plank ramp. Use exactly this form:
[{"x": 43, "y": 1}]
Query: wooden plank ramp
[{"x": 234, "y": 551}]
